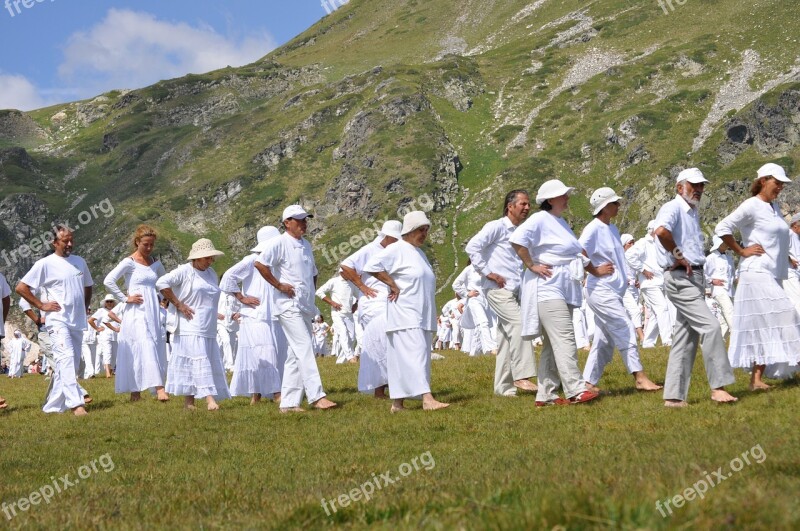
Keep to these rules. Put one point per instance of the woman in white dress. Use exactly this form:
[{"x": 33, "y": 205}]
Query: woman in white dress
[
  {"x": 766, "y": 327},
  {"x": 410, "y": 313},
  {"x": 320, "y": 329},
  {"x": 141, "y": 351},
  {"x": 195, "y": 369},
  {"x": 18, "y": 347}
]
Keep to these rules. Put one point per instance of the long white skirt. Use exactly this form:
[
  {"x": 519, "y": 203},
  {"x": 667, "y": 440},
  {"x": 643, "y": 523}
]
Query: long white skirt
[
  {"x": 195, "y": 368},
  {"x": 256, "y": 367},
  {"x": 766, "y": 326},
  {"x": 141, "y": 364},
  {"x": 408, "y": 361},
  {"x": 372, "y": 370}
]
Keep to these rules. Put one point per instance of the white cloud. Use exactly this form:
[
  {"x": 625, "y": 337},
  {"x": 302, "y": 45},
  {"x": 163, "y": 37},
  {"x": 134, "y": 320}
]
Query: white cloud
[
  {"x": 17, "y": 92},
  {"x": 130, "y": 49}
]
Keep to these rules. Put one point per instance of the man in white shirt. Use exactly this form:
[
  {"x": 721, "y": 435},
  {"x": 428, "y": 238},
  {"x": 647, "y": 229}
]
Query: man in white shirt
[
  {"x": 106, "y": 352},
  {"x": 643, "y": 259},
  {"x": 287, "y": 264},
  {"x": 792, "y": 284},
  {"x": 718, "y": 271},
  {"x": 493, "y": 257},
  {"x": 5, "y": 294},
  {"x": 678, "y": 232},
  {"x": 477, "y": 318},
  {"x": 341, "y": 301},
  {"x": 66, "y": 287}
]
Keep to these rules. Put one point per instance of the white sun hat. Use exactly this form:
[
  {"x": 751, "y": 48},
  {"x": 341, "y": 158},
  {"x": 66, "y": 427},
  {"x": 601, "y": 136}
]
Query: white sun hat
[
  {"x": 626, "y": 238},
  {"x": 264, "y": 235},
  {"x": 773, "y": 170},
  {"x": 601, "y": 197},
  {"x": 414, "y": 220},
  {"x": 391, "y": 228},
  {"x": 692, "y": 175},
  {"x": 203, "y": 248},
  {"x": 552, "y": 188},
  {"x": 716, "y": 241}
]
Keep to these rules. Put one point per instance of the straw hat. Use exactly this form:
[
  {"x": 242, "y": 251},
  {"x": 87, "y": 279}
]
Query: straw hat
[{"x": 203, "y": 248}]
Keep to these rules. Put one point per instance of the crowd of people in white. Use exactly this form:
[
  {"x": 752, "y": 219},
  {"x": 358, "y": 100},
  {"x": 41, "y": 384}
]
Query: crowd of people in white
[{"x": 529, "y": 282}]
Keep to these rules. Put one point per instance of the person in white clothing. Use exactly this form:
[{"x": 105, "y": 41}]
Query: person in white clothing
[
  {"x": 643, "y": 259},
  {"x": 106, "y": 334},
  {"x": 65, "y": 283},
  {"x": 373, "y": 375},
  {"x": 410, "y": 313},
  {"x": 792, "y": 283},
  {"x": 613, "y": 328},
  {"x": 551, "y": 290},
  {"x": 141, "y": 361},
  {"x": 320, "y": 330},
  {"x": 18, "y": 348},
  {"x": 477, "y": 314},
  {"x": 493, "y": 257},
  {"x": 631, "y": 297},
  {"x": 718, "y": 271},
  {"x": 766, "y": 326},
  {"x": 89, "y": 351},
  {"x": 680, "y": 244},
  {"x": 195, "y": 369},
  {"x": 287, "y": 264},
  {"x": 227, "y": 329},
  {"x": 5, "y": 295},
  {"x": 341, "y": 301},
  {"x": 256, "y": 371}
]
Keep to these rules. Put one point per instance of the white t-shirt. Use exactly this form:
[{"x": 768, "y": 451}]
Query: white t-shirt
[
  {"x": 368, "y": 306},
  {"x": 198, "y": 290},
  {"x": 292, "y": 262},
  {"x": 102, "y": 319},
  {"x": 253, "y": 285},
  {"x": 408, "y": 266},
  {"x": 62, "y": 279},
  {"x": 341, "y": 291},
  {"x": 5, "y": 291},
  {"x": 603, "y": 245}
]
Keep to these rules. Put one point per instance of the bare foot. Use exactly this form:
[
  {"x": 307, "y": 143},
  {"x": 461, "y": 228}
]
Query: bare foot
[
  {"x": 162, "y": 395},
  {"x": 587, "y": 349},
  {"x": 352, "y": 360},
  {"x": 79, "y": 411},
  {"x": 136, "y": 396},
  {"x": 292, "y": 410},
  {"x": 494, "y": 352},
  {"x": 255, "y": 399},
  {"x": 526, "y": 385},
  {"x": 759, "y": 386},
  {"x": 380, "y": 393},
  {"x": 88, "y": 399},
  {"x": 397, "y": 409},
  {"x": 189, "y": 407},
  {"x": 645, "y": 384},
  {"x": 212, "y": 406},
  {"x": 433, "y": 405},
  {"x": 675, "y": 403},
  {"x": 592, "y": 388},
  {"x": 722, "y": 396},
  {"x": 324, "y": 403},
  {"x": 3, "y": 404},
  {"x": 276, "y": 398}
]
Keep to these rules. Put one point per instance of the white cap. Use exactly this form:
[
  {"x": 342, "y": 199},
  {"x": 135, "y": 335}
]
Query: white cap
[
  {"x": 203, "y": 248},
  {"x": 296, "y": 212},
  {"x": 550, "y": 189},
  {"x": 794, "y": 219},
  {"x": 264, "y": 235},
  {"x": 716, "y": 241},
  {"x": 601, "y": 197},
  {"x": 392, "y": 229},
  {"x": 414, "y": 220},
  {"x": 693, "y": 175},
  {"x": 773, "y": 170},
  {"x": 626, "y": 238},
  {"x": 651, "y": 226},
  {"x": 109, "y": 297}
]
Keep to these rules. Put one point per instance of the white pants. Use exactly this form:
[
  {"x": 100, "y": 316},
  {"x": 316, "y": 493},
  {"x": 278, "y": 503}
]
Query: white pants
[
  {"x": 66, "y": 394},
  {"x": 613, "y": 328},
  {"x": 408, "y": 360},
  {"x": 226, "y": 347},
  {"x": 89, "y": 359},
  {"x": 344, "y": 330},
  {"x": 106, "y": 351},
  {"x": 726, "y": 306},
  {"x": 659, "y": 321},
  {"x": 483, "y": 328},
  {"x": 633, "y": 309},
  {"x": 300, "y": 371},
  {"x": 579, "y": 324}
]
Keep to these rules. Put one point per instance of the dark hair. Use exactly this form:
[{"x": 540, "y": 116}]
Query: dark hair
[
  {"x": 546, "y": 206},
  {"x": 58, "y": 227},
  {"x": 758, "y": 184},
  {"x": 511, "y": 197}
]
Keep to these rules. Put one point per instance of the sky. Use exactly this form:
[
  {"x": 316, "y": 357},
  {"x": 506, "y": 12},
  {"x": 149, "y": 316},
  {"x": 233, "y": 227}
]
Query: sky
[{"x": 56, "y": 51}]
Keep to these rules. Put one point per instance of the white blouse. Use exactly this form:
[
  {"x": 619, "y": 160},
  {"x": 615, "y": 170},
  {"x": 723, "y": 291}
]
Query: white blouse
[{"x": 603, "y": 245}]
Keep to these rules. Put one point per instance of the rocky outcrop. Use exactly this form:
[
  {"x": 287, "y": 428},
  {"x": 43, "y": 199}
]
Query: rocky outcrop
[{"x": 18, "y": 126}]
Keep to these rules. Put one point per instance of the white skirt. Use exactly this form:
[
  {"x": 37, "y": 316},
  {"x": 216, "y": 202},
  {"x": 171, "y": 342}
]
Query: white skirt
[
  {"x": 408, "y": 363},
  {"x": 195, "y": 368},
  {"x": 372, "y": 370},
  {"x": 256, "y": 367},
  {"x": 766, "y": 326},
  {"x": 141, "y": 364}
]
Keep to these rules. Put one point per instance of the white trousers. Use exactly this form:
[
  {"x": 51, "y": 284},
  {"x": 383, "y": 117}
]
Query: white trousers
[
  {"x": 483, "y": 328},
  {"x": 659, "y": 321},
  {"x": 613, "y": 328},
  {"x": 408, "y": 360},
  {"x": 633, "y": 309},
  {"x": 226, "y": 347},
  {"x": 300, "y": 372},
  {"x": 89, "y": 351},
  {"x": 66, "y": 394},
  {"x": 726, "y": 306},
  {"x": 106, "y": 351},
  {"x": 345, "y": 332}
]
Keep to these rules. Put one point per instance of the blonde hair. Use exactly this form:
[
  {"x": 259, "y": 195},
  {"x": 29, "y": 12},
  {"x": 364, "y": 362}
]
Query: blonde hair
[{"x": 143, "y": 231}]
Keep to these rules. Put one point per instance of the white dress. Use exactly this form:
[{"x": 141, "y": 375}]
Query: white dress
[
  {"x": 19, "y": 347},
  {"x": 141, "y": 349},
  {"x": 766, "y": 326}
]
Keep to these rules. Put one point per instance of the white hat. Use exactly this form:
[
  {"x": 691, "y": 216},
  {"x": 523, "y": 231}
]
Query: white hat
[
  {"x": 773, "y": 170},
  {"x": 693, "y": 175},
  {"x": 414, "y": 220},
  {"x": 651, "y": 226},
  {"x": 203, "y": 248},
  {"x": 296, "y": 212},
  {"x": 716, "y": 241},
  {"x": 601, "y": 197},
  {"x": 392, "y": 229},
  {"x": 625, "y": 238},
  {"x": 264, "y": 235},
  {"x": 794, "y": 219},
  {"x": 551, "y": 189},
  {"x": 109, "y": 297}
]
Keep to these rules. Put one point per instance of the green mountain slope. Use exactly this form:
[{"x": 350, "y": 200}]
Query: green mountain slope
[{"x": 443, "y": 104}]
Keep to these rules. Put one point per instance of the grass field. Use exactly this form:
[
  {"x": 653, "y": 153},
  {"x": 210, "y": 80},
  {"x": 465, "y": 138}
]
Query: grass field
[{"x": 485, "y": 462}]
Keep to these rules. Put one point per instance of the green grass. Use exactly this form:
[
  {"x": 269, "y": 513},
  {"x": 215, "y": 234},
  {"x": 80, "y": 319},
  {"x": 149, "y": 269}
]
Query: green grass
[{"x": 499, "y": 462}]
